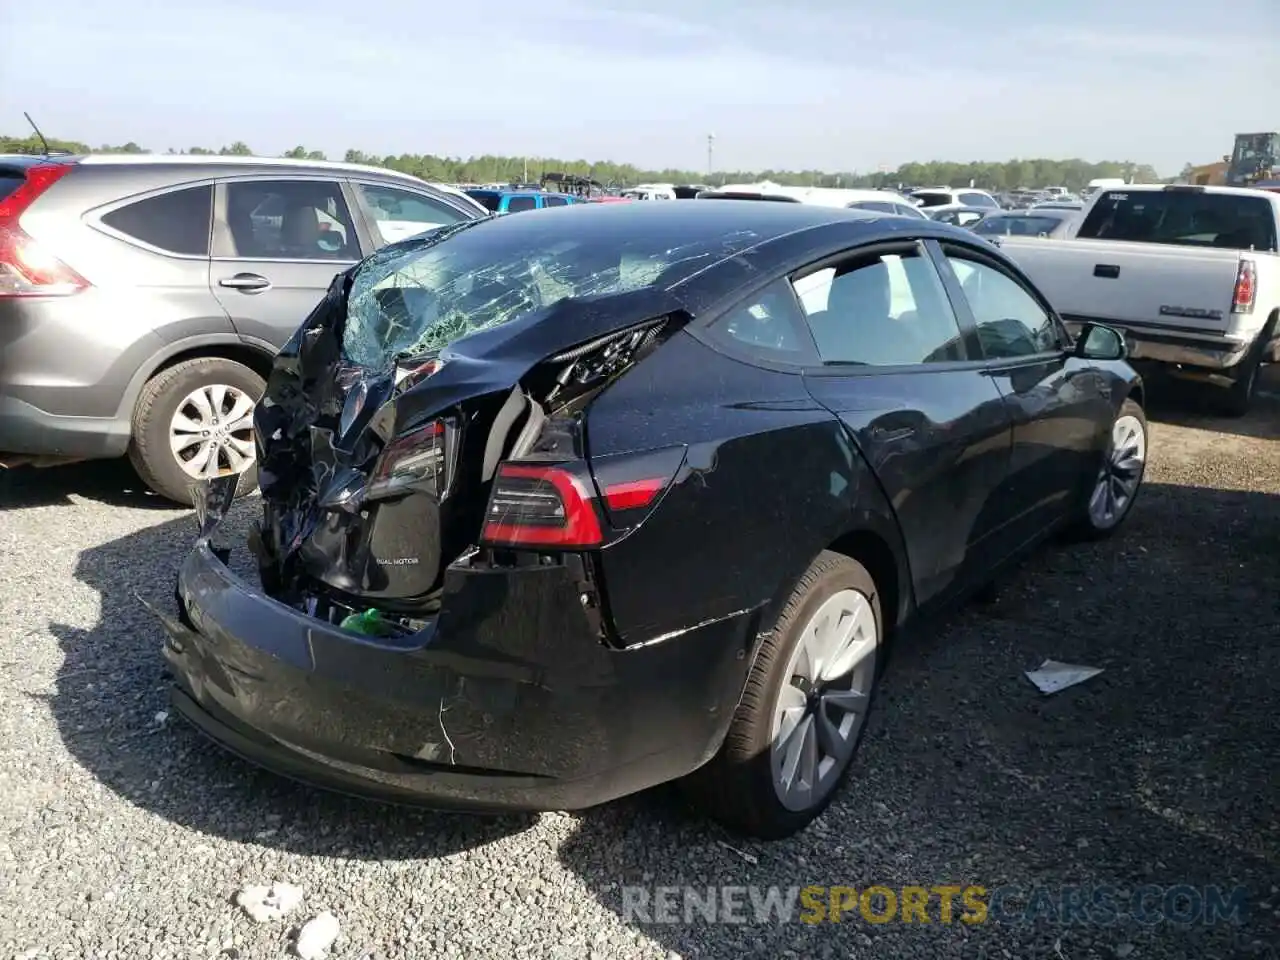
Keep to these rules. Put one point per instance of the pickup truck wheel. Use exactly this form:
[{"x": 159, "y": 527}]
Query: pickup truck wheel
[
  {"x": 1238, "y": 398},
  {"x": 194, "y": 421},
  {"x": 1119, "y": 478},
  {"x": 803, "y": 709}
]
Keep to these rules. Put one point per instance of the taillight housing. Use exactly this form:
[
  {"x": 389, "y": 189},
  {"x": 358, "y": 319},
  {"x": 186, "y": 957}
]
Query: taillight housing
[
  {"x": 27, "y": 269},
  {"x": 572, "y": 506},
  {"x": 1246, "y": 290},
  {"x": 541, "y": 505},
  {"x": 421, "y": 460}
]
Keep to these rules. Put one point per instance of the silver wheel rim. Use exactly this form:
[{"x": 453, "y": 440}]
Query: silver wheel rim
[
  {"x": 211, "y": 433},
  {"x": 823, "y": 702},
  {"x": 1121, "y": 472}
]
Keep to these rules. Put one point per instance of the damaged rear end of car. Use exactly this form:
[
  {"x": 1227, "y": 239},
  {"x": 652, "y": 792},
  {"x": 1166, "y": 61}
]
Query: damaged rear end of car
[{"x": 431, "y": 615}]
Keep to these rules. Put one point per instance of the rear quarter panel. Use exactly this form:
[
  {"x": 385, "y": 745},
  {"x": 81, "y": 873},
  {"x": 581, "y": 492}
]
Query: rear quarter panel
[
  {"x": 771, "y": 479},
  {"x": 80, "y": 353}
]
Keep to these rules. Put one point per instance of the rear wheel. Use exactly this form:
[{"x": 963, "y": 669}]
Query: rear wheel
[
  {"x": 804, "y": 708},
  {"x": 194, "y": 421},
  {"x": 1238, "y": 398},
  {"x": 1119, "y": 478}
]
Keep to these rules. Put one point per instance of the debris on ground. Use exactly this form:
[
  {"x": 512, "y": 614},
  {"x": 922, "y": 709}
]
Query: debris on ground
[
  {"x": 1053, "y": 675},
  {"x": 749, "y": 857},
  {"x": 269, "y": 903},
  {"x": 317, "y": 936}
]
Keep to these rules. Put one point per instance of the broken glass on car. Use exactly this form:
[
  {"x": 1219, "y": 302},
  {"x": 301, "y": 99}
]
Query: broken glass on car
[{"x": 418, "y": 297}]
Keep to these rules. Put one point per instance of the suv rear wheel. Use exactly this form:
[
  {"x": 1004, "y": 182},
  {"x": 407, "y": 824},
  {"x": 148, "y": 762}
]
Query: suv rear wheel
[
  {"x": 804, "y": 708},
  {"x": 194, "y": 421}
]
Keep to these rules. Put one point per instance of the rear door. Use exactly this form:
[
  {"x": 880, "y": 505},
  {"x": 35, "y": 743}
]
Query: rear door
[
  {"x": 899, "y": 373},
  {"x": 1060, "y": 411},
  {"x": 277, "y": 244}
]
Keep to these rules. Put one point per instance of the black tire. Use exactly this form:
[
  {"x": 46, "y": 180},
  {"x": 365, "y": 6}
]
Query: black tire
[
  {"x": 1237, "y": 399},
  {"x": 737, "y": 786},
  {"x": 1084, "y": 525},
  {"x": 149, "y": 451}
]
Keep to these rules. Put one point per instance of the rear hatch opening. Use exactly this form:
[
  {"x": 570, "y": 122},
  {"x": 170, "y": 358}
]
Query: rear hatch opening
[{"x": 375, "y": 483}]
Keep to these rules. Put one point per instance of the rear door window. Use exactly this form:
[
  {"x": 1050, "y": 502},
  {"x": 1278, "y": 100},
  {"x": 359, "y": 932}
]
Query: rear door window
[
  {"x": 522, "y": 202},
  {"x": 399, "y": 214},
  {"x": 891, "y": 310},
  {"x": 1184, "y": 217},
  {"x": 289, "y": 220},
  {"x": 554, "y": 201},
  {"x": 173, "y": 222}
]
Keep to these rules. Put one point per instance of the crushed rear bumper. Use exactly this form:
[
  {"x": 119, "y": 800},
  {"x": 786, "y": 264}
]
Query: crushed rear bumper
[{"x": 506, "y": 701}]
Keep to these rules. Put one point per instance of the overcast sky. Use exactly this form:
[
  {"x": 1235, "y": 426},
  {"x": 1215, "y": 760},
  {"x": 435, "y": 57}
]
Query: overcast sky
[{"x": 829, "y": 84}]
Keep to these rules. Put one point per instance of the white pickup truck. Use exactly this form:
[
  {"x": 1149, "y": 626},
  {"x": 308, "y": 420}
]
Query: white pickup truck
[{"x": 1190, "y": 274}]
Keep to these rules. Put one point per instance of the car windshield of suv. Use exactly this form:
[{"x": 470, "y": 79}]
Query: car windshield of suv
[
  {"x": 420, "y": 295},
  {"x": 1016, "y": 226},
  {"x": 1188, "y": 217}
]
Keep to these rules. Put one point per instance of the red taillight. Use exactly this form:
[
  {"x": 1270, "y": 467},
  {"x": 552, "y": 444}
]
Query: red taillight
[
  {"x": 26, "y": 268},
  {"x": 633, "y": 494},
  {"x": 536, "y": 505},
  {"x": 1246, "y": 291},
  {"x": 420, "y": 460}
]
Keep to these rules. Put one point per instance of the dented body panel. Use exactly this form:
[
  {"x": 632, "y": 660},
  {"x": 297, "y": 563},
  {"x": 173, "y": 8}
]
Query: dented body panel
[{"x": 522, "y": 556}]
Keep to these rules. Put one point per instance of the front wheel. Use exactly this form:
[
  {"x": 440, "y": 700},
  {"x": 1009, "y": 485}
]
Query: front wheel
[
  {"x": 804, "y": 707},
  {"x": 1120, "y": 476}
]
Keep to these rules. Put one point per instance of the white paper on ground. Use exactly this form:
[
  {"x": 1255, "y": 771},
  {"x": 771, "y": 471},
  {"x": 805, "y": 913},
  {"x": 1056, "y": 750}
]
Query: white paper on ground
[{"x": 1053, "y": 675}]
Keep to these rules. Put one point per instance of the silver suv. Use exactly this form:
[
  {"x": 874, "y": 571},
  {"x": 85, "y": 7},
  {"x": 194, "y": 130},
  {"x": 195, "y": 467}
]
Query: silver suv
[{"x": 142, "y": 298}]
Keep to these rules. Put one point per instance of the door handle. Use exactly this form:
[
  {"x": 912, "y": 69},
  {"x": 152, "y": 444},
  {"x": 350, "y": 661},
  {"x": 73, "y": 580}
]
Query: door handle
[
  {"x": 1109, "y": 271},
  {"x": 246, "y": 282}
]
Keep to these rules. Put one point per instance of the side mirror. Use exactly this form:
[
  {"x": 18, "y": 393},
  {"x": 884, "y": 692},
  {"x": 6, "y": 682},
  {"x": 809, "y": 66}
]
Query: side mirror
[{"x": 1098, "y": 342}]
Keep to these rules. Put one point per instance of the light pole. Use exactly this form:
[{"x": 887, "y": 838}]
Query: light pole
[{"x": 711, "y": 146}]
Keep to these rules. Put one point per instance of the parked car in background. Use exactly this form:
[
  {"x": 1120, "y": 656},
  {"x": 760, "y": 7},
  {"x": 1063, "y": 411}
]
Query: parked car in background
[
  {"x": 462, "y": 604},
  {"x": 877, "y": 201},
  {"x": 1076, "y": 205},
  {"x": 946, "y": 197},
  {"x": 516, "y": 201},
  {"x": 1036, "y": 222},
  {"x": 142, "y": 297},
  {"x": 1191, "y": 274},
  {"x": 958, "y": 215}
]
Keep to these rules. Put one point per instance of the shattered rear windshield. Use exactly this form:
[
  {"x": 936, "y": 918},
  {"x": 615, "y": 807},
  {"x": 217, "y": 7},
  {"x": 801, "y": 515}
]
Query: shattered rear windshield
[{"x": 418, "y": 296}]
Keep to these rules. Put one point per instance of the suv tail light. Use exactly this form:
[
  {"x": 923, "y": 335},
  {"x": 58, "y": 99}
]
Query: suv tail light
[
  {"x": 421, "y": 460},
  {"x": 26, "y": 268},
  {"x": 563, "y": 505},
  {"x": 1246, "y": 291}
]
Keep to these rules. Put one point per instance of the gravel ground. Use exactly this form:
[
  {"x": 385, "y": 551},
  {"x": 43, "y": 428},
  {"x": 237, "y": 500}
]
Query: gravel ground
[{"x": 123, "y": 834}]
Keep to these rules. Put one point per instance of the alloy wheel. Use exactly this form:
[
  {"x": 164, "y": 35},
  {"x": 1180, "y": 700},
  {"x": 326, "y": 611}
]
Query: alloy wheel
[
  {"x": 1120, "y": 474},
  {"x": 211, "y": 432},
  {"x": 823, "y": 705}
]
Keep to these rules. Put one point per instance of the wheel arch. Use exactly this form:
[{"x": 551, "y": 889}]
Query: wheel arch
[
  {"x": 888, "y": 568},
  {"x": 257, "y": 355}
]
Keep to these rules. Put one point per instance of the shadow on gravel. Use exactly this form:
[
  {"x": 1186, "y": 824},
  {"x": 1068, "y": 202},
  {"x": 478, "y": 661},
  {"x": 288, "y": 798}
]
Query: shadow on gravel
[
  {"x": 112, "y": 686},
  {"x": 1161, "y": 770},
  {"x": 111, "y": 482},
  {"x": 1195, "y": 405}
]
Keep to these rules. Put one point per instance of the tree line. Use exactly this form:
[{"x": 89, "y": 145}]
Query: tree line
[{"x": 1007, "y": 175}]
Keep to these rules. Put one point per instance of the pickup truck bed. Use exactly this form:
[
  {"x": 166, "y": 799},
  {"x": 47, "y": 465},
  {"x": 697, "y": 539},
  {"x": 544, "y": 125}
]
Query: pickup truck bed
[{"x": 1203, "y": 298}]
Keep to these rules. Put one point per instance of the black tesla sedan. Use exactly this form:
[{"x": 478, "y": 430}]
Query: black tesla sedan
[{"x": 562, "y": 506}]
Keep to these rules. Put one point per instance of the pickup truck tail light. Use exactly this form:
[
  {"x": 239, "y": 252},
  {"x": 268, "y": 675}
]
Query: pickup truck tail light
[
  {"x": 27, "y": 269},
  {"x": 1246, "y": 291}
]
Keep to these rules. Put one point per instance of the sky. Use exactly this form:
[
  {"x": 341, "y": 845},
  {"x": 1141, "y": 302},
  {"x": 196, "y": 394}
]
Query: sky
[{"x": 800, "y": 84}]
